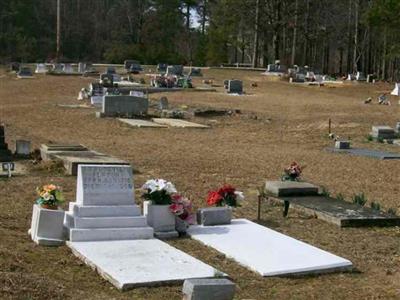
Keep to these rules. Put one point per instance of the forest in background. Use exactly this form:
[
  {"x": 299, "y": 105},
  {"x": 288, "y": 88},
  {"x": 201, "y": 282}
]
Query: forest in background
[{"x": 334, "y": 37}]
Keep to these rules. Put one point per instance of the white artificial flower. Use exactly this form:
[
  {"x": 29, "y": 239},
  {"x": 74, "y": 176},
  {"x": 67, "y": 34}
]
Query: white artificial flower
[
  {"x": 239, "y": 195},
  {"x": 51, "y": 197},
  {"x": 170, "y": 188},
  {"x": 46, "y": 196}
]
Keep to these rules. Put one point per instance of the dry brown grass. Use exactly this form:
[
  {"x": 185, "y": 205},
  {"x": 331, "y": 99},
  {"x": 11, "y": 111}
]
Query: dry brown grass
[{"x": 279, "y": 123}]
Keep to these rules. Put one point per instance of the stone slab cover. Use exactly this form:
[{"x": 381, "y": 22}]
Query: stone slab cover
[
  {"x": 290, "y": 188},
  {"x": 266, "y": 251},
  {"x": 128, "y": 264},
  {"x": 367, "y": 153},
  {"x": 178, "y": 123},
  {"x": 142, "y": 123}
]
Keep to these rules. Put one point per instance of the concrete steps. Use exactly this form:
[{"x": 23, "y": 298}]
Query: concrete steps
[
  {"x": 110, "y": 222},
  {"x": 104, "y": 211},
  {"x": 110, "y": 234}
]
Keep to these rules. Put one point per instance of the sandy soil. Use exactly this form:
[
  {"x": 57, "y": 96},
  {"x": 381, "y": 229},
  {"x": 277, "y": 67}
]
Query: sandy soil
[{"x": 278, "y": 123}]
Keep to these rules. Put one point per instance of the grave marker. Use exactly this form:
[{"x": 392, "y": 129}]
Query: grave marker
[
  {"x": 120, "y": 106},
  {"x": 235, "y": 87}
]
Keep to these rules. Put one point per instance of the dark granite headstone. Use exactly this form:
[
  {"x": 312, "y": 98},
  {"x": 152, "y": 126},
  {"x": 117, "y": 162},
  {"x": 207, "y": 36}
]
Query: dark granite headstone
[{"x": 5, "y": 153}]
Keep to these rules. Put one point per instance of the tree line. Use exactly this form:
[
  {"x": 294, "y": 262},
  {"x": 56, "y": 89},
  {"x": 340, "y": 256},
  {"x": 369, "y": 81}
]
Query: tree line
[{"x": 335, "y": 37}]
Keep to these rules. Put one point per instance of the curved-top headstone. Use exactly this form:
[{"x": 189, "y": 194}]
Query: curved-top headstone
[{"x": 104, "y": 185}]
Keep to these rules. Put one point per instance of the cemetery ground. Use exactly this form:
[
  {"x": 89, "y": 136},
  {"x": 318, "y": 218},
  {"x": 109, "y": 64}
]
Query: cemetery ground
[{"x": 278, "y": 123}]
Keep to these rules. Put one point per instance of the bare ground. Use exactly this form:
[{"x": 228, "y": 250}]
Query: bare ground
[{"x": 279, "y": 123}]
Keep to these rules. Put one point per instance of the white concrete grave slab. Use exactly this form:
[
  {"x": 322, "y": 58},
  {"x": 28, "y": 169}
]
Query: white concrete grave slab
[
  {"x": 266, "y": 251},
  {"x": 105, "y": 185},
  {"x": 178, "y": 123},
  {"x": 129, "y": 264},
  {"x": 142, "y": 123}
]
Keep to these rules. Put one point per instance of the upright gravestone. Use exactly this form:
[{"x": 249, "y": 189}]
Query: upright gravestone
[
  {"x": 163, "y": 104},
  {"x": 68, "y": 69},
  {"x": 23, "y": 148},
  {"x": 81, "y": 67},
  {"x": 124, "y": 106},
  {"x": 235, "y": 87},
  {"x": 383, "y": 132},
  {"x": 107, "y": 79},
  {"x": 24, "y": 72},
  {"x": 111, "y": 70},
  {"x": 41, "y": 69},
  {"x": 96, "y": 91},
  {"x": 105, "y": 208},
  {"x": 5, "y": 153},
  {"x": 58, "y": 68}
]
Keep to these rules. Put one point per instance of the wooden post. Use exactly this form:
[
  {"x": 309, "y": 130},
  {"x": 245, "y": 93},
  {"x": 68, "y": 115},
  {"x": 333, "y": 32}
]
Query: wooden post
[
  {"x": 259, "y": 208},
  {"x": 329, "y": 126}
]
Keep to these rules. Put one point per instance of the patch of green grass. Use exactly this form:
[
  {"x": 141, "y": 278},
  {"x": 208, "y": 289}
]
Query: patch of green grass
[
  {"x": 340, "y": 197},
  {"x": 325, "y": 192},
  {"x": 375, "y": 206},
  {"x": 359, "y": 199},
  {"x": 369, "y": 138}
]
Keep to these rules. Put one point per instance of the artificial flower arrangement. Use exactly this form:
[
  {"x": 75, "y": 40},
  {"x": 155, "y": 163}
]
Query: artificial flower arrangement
[
  {"x": 158, "y": 191},
  {"x": 293, "y": 172},
  {"x": 162, "y": 192},
  {"x": 50, "y": 196},
  {"x": 181, "y": 207},
  {"x": 225, "y": 196}
]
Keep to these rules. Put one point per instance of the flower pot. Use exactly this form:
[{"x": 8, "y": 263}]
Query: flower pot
[
  {"x": 49, "y": 206},
  {"x": 159, "y": 217},
  {"x": 47, "y": 226}
]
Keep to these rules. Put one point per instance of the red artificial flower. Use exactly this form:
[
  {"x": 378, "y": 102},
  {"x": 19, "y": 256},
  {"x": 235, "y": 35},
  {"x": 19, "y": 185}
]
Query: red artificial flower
[{"x": 213, "y": 198}]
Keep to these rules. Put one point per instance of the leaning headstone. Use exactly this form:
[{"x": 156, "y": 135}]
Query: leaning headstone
[
  {"x": 23, "y": 148},
  {"x": 203, "y": 289},
  {"x": 124, "y": 106},
  {"x": 383, "y": 132},
  {"x": 342, "y": 145},
  {"x": 163, "y": 104},
  {"x": 235, "y": 87}
]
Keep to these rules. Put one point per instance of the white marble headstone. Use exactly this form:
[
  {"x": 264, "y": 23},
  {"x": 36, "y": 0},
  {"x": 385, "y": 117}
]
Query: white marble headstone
[{"x": 104, "y": 185}]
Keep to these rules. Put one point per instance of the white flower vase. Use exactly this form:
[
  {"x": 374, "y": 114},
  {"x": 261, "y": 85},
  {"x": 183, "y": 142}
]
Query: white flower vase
[{"x": 159, "y": 217}]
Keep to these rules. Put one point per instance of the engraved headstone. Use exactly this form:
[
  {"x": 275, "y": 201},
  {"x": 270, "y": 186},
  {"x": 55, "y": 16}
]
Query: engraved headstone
[
  {"x": 23, "y": 147},
  {"x": 124, "y": 106},
  {"x": 105, "y": 185},
  {"x": 235, "y": 87}
]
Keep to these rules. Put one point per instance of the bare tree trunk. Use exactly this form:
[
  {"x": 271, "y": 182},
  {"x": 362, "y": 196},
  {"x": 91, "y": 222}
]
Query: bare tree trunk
[
  {"x": 255, "y": 49},
  {"x": 58, "y": 30},
  {"x": 384, "y": 53},
  {"x": 348, "y": 69},
  {"x": 355, "y": 56},
  {"x": 292, "y": 61}
]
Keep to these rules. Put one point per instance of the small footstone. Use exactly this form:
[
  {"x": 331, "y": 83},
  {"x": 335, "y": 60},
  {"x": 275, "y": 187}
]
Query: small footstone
[
  {"x": 201, "y": 289},
  {"x": 290, "y": 188},
  {"x": 342, "y": 145},
  {"x": 214, "y": 216}
]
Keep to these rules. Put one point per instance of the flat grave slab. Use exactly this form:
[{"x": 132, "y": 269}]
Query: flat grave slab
[
  {"x": 367, "y": 153},
  {"x": 142, "y": 123},
  {"x": 339, "y": 212},
  {"x": 290, "y": 188},
  {"x": 178, "y": 123},
  {"x": 129, "y": 264},
  {"x": 71, "y": 160},
  {"x": 265, "y": 251}
]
